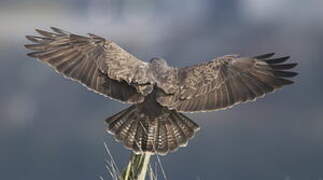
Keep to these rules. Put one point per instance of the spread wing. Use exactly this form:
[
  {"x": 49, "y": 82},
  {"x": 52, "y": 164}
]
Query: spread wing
[
  {"x": 229, "y": 80},
  {"x": 99, "y": 64}
]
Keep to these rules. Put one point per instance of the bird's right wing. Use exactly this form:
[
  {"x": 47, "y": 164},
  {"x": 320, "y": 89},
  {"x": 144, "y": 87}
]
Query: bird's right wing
[
  {"x": 226, "y": 81},
  {"x": 99, "y": 64}
]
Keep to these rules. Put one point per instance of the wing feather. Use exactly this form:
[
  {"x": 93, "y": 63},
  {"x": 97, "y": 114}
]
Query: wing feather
[
  {"x": 99, "y": 64},
  {"x": 229, "y": 80}
]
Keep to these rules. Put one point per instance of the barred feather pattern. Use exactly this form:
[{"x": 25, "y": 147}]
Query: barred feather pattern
[
  {"x": 235, "y": 80},
  {"x": 159, "y": 133},
  {"x": 99, "y": 64}
]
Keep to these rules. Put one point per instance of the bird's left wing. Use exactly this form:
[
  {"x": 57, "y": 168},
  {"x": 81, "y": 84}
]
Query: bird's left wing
[
  {"x": 226, "y": 81},
  {"x": 97, "y": 63}
]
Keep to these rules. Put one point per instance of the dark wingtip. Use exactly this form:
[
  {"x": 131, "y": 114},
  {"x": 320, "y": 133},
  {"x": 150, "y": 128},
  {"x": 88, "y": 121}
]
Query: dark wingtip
[
  {"x": 55, "y": 29},
  {"x": 287, "y": 74},
  {"x": 291, "y": 65},
  {"x": 46, "y": 33},
  {"x": 287, "y": 81},
  {"x": 277, "y": 60},
  {"x": 284, "y": 66},
  {"x": 33, "y": 54},
  {"x": 29, "y": 37},
  {"x": 59, "y": 31},
  {"x": 36, "y": 47},
  {"x": 39, "y": 30},
  {"x": 264, "y": 56}
]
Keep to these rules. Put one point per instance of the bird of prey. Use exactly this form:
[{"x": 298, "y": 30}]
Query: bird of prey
[{"x": 159, "y": 93}]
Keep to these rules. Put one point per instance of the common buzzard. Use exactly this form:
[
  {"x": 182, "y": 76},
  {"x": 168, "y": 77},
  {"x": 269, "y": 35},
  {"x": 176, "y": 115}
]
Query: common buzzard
[{"x": 158, "y": 92}]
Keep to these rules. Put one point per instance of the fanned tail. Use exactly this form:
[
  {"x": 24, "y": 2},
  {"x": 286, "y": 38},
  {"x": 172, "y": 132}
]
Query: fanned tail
[{"x": 143, "y": 131}]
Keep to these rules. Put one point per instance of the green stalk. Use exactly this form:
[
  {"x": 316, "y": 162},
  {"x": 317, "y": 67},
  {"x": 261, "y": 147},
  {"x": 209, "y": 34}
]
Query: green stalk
[{"x": 137, "y": 167}]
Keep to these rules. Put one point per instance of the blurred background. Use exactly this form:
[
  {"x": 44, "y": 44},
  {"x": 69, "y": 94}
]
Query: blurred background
[{"x": 52, "y": 128}]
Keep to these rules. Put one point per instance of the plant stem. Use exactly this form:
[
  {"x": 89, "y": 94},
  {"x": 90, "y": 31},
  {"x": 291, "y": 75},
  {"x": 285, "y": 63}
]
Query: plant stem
[{"x": 137, "y": 167}]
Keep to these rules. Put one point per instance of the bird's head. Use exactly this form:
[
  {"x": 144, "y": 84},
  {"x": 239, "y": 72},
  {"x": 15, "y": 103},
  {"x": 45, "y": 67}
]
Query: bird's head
[
  {"x": 158, "y": 65},
  {"x": 158, "y": 61}
]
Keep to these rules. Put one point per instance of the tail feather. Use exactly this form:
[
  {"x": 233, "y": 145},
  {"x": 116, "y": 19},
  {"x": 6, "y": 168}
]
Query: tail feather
[
  {"x": 131, "y": 136},
  {"x": 171, "y": 138},
  {"x": 178, "y": 133},
  {"x": 190, "y": 125},
  {"x": 162, "y": 139},
  {"x": 123, "y": 130},
  {"x": 143, "y": 132},
  {"x": 186, "y": 129},
  {"x": 118, "y": 119}
]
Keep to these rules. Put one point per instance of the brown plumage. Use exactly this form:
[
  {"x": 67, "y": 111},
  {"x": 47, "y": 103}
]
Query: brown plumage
[{"x": 157, "y": 91}]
